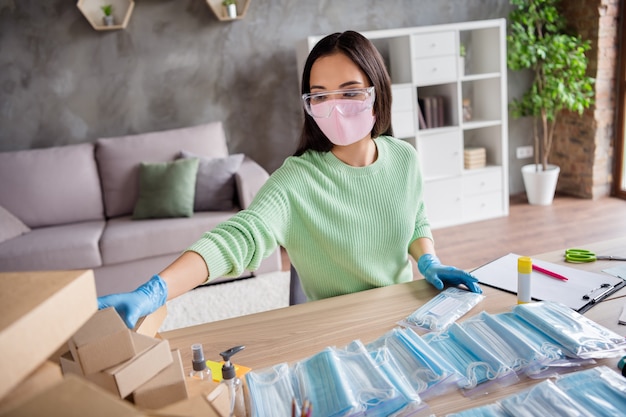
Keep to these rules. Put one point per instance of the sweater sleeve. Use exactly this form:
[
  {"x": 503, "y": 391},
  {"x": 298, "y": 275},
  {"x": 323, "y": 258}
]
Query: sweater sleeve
[{"x": 248, "y": 237}]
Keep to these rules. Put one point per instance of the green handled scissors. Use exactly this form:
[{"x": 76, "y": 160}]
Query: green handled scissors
[{"x": 583, "y": 255}]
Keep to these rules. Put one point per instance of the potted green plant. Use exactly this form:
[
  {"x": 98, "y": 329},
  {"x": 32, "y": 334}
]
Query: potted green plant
[
  {"x": 231, "y": 8},
  {"x": 107, "y": 9},
  {"x": 538, "y": 41},
  {"x": 462, "y": 53}
]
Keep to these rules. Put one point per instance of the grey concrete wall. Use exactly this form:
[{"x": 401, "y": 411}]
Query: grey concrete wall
[{"x": 175, "y": 65}]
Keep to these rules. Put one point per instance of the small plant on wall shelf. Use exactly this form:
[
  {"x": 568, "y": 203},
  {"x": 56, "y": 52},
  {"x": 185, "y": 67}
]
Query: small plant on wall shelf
[
  {"x": 107, "y": 9},
  {"x": 231, "y": 8}
]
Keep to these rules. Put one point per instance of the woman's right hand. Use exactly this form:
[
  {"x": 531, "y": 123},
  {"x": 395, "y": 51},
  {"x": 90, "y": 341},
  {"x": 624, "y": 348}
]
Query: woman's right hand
[{"x": 132, "y": 305}]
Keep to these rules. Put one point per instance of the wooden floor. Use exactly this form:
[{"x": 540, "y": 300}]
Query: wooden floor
[{"x": 529, "y": 230}]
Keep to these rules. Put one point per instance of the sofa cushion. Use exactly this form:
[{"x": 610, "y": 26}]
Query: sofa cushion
[
  {"x": 51, "y": 186},
  {"x": 215, "y": 185},
  {"x": 10, "y": 226},
  {"x": 119, "y": 158},
  {"x": 125, "y": 239},
  {"x": 72, "y": 246},
  {"x": 166, "y": 189}
]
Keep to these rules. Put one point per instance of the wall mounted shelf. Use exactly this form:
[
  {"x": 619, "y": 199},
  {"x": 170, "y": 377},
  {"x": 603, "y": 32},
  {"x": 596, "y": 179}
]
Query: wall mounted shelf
[
  {"x": 92, "y": 10},
  {"x": 220, "y": 11}
]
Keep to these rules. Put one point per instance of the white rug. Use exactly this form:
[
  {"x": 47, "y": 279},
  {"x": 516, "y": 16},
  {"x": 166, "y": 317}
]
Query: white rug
[{"x": 232, "y": 299}]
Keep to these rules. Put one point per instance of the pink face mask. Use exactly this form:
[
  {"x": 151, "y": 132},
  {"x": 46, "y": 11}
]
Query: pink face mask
[{"x": 345, "y": 130}]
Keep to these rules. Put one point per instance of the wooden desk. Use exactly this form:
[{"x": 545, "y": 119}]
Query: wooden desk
[{"x": 293, "y": 333}]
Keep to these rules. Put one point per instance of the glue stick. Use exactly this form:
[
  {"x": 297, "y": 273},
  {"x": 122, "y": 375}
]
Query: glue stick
[{"x": 524, "y": 269}]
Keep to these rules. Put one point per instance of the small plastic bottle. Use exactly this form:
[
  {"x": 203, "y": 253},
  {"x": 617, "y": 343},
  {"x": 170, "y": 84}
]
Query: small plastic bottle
[
  {"x": 200, "y": 370},
  {"x": 524, "y": 271},
  {"x": 233, "y": 384}
]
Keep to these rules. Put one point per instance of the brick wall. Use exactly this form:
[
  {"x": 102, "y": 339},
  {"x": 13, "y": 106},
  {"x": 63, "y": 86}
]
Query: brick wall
[{"x": 583, "y": 146}]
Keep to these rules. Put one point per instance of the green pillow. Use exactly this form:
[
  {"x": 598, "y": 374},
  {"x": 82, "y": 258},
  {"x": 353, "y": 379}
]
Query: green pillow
[{"x": 166, "y": 189}]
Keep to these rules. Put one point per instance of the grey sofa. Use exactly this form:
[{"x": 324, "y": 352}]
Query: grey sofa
[{"x": 70, "y": 207}]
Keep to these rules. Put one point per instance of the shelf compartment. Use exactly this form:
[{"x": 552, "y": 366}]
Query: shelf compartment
[
  {"x": 482, "y": 48},
  {"x": 475, "y": 91},
  {"x": 449, "y": 109},
  {"x": 92, "y": 10},
  {"x": 489, "y": 138}
]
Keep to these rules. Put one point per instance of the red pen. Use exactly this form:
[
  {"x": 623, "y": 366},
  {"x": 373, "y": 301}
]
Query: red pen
[{"x": 550, "y": 273}]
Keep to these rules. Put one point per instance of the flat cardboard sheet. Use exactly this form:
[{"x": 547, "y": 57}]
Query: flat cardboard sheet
[{"x": 74, "y": 397}]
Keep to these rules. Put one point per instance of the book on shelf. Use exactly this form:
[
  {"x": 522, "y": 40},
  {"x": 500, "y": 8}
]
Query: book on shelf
[
  {"x": 431, "y": 111},
  {"x": 420, "y": 114}
]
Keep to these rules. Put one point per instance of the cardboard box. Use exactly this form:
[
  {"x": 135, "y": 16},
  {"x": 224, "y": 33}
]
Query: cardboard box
[
  {"x": 154, "y": 356},
  {"x": 44, "y": 377},
  {"x": 104, "y": 341},
  {"x": 39, "y": 311},
  {"x": 167, "y": 387},
  {"x": 122, "y": 379},
  {"x": 196, "y": 406},
  {"x": 74, "y": 397},
  {"x": 68, "y": 365},
  {"x": 149, "y": 325}
]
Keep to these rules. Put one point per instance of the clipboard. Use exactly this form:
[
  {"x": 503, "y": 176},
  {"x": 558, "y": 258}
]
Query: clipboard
[{"x": 582, "y": 291}]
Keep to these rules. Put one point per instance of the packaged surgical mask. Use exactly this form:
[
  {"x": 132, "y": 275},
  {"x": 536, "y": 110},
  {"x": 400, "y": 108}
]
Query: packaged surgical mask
[
  {"x": 505, "y": 343},
  {"x": 577, "y": 335},
  {"x": 271, "y": 391},
  {"x": 556, "y": 360},
  {"x": 472, "y": 360},
  {"x": 387, "y": 364},
  {"x": 544, "y": 399},
  {"x": 376, "y": 395},
  {"x": 600, "y": 390},
  {"x": 442, "y": 310},
  {"x": 427, "y": 373},
  {"x": 321, "y": 380}
]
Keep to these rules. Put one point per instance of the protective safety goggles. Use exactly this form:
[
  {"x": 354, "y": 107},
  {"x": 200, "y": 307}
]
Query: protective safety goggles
[{"x": 347, "y": 102}]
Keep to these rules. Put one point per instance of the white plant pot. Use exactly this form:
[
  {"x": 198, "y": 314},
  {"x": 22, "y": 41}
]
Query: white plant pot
[
  {"x": 108, "y": 20},
  {"x": 461, "y": 66},
  {"x": 231, "y": 11},
  {"x": 540, "y": 185}
]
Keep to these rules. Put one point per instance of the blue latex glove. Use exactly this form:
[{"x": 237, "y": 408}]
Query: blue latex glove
[
  {"x": 437, "y": 274},
  {"x": 141, "y": 302}
]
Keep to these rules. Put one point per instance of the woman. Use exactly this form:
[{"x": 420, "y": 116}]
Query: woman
[{"x": 347, "y": 206}]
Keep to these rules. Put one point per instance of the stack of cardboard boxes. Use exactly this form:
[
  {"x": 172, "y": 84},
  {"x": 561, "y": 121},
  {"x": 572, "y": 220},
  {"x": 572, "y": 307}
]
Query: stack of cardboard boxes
[
  {"x": 50, "y": 322},
  {"x": 125, "y": 363}
]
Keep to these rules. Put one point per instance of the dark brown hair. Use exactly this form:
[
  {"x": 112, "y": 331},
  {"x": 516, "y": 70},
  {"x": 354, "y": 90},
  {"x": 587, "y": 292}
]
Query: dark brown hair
[{"x": 365, "y": 55}]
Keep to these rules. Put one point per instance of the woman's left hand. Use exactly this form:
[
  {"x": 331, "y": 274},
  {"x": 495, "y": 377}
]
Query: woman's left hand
[{"x": 438, "y": 275}]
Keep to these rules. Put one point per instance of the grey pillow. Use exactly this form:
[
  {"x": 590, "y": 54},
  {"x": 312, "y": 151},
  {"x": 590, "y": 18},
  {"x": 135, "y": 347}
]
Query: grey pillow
[
  {"x": 215, "y": 184},
  {"x": 10, "y": 226}
]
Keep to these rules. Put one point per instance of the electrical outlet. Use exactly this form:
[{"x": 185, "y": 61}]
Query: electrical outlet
[{"x": 523, "y": 152}]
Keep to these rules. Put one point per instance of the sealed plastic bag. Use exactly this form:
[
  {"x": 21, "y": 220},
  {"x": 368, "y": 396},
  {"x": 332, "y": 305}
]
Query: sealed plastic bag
[
  {"x": 376, "y": 395},
  {"x": 544, "y": 399},
  {"x": 600, "y": 390},
  {"x": 321, "y": 380},
  {"x": 505, "y": 343},
  {"x": 575, "y": 333},
  {"x": 427, "y": 373},
  {"x": 472, "y": 360},
  {"x": 271, "y": 391},
  {"x": 442, "y": 310}
]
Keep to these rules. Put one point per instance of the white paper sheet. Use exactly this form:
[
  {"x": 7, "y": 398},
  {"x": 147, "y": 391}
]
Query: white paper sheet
[{"x": 502, "y": 274}]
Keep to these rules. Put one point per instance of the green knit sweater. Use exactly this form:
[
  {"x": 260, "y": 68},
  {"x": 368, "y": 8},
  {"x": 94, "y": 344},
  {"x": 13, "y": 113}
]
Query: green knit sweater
[{"x": 345, "y": 229}]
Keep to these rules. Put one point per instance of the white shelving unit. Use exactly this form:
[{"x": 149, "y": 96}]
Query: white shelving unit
[{"x": 425, "y": 62}]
